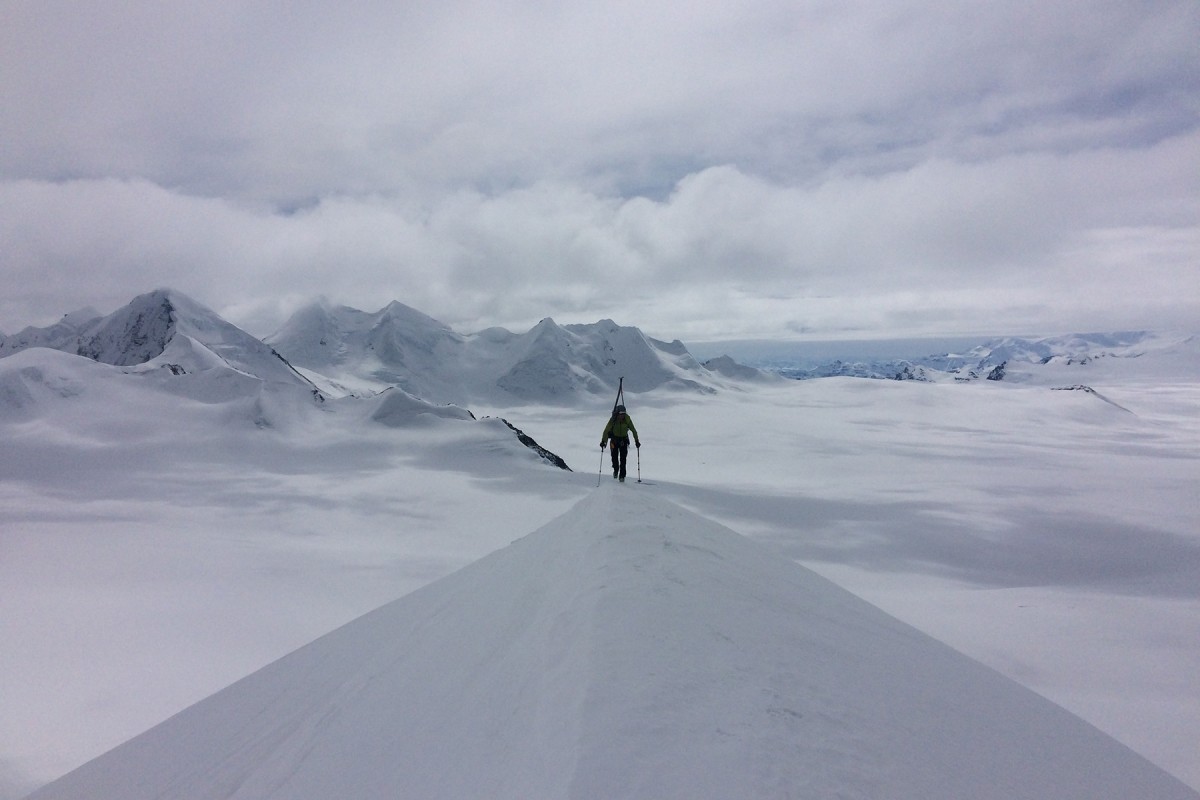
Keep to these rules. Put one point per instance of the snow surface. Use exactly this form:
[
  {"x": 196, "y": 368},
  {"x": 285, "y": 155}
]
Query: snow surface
[
  {"x": 628, "y": 648},
  {"x": 164, "y": 534}
]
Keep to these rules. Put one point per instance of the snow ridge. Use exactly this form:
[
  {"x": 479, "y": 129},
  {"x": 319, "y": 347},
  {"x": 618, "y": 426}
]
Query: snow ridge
[{"x": 629, "y": 648}]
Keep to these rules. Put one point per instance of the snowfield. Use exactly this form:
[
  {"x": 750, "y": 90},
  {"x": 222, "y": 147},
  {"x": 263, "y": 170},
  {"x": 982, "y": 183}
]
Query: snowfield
[
  {"x": 628, "y": 648},
  {"x": 165, "y": 534}
]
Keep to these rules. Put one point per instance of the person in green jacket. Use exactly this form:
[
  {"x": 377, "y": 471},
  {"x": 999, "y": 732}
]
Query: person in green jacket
[{"x": 616, "y": 436}]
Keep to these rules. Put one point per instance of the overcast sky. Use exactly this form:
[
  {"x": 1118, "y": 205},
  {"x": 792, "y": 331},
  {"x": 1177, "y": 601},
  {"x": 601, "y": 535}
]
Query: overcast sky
[{"x": 699, "y": 169}]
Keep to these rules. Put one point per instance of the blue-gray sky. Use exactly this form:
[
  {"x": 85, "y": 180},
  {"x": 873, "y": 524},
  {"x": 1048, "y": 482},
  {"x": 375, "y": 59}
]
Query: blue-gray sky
[{"x": 700, "y": 169}]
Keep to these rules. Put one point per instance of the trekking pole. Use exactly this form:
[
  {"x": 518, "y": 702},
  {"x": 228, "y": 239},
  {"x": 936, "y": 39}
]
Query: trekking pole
[
  {"x": 600, "y": 474},
  {"x": 639, "y": 449}
]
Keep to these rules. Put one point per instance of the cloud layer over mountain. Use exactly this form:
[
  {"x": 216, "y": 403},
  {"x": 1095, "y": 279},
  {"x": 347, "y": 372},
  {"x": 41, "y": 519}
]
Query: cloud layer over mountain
[{"x": 699, "y": 170}]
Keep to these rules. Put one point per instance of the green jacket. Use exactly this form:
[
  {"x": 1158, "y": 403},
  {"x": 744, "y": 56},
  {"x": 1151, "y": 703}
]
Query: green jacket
[{"x": 619, "y": 427}]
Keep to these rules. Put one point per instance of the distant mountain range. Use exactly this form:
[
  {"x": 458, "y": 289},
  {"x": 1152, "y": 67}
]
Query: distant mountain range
[
  {"x": 1011, "y": 358},
  {"x": 335, "y": 351},
  {"x": 396, "y": 367},
  {"x": 352, "y": 351}
]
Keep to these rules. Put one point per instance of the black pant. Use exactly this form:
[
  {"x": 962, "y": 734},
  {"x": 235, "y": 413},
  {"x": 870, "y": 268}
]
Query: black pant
[{"x": 619, "y": 450}]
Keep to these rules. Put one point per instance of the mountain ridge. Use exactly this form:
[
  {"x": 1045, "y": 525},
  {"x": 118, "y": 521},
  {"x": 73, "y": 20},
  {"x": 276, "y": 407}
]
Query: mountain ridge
[
  {"x": 551, "y": 363},
  {"x": 335, "y": 350},
  {"x": 186, "y": 349}
]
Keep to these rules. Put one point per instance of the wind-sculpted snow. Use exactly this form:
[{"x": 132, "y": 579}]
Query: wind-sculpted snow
[
  {"x": 627, "y": 649},
  {"x": 397, "y": 408},
  {"x": 31, "y": 380}
]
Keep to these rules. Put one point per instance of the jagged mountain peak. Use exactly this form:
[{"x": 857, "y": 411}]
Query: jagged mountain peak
[
  {"x": 168, "y": 329},
  {"x": 397, "y": 321},
  {"x": 142, "y": 329},
  {"x": 135, "y": 333},
  {"x": 322, "y": 334},
  {"x": 549, "y": 331},
  {"x": 347, "y": 350},
  {"x": 553, "y": 363}
]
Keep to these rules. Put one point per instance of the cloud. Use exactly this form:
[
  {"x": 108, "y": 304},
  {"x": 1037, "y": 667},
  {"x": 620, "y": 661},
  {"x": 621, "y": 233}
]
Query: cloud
[
  {"x": 697, "y": 169},
  {"x": 724, "y": 252},
  {"x": 236, "y": 98}
]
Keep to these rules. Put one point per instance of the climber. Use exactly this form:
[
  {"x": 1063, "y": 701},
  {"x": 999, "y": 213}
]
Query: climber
[{"x": 616, "y": 436}]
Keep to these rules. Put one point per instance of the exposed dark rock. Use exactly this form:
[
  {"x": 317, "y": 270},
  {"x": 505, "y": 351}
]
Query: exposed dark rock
[{"x": 529, "y": 442}]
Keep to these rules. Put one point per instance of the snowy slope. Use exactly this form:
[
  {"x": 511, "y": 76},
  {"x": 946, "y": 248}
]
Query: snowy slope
[
  {"x": 352, "y": 351},
  {"x": 627, "y": 649},
  {"x": 38, "y": 382}
]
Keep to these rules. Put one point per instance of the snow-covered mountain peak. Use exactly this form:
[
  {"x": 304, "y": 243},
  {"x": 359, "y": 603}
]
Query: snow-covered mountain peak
[
  {"x": 399, "y": 315},
  {"x": 165, "y": 331},
  {"x": 314, "y": 331},
  {"x": 345, "y": 351},
  {"x": 140, "y": 331},
  {"x": 321, "y": 335},
  {"x": 629, "y": 648},
  {"x": 399, "y": 346},
  {"x": 166, "y": 328}
]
